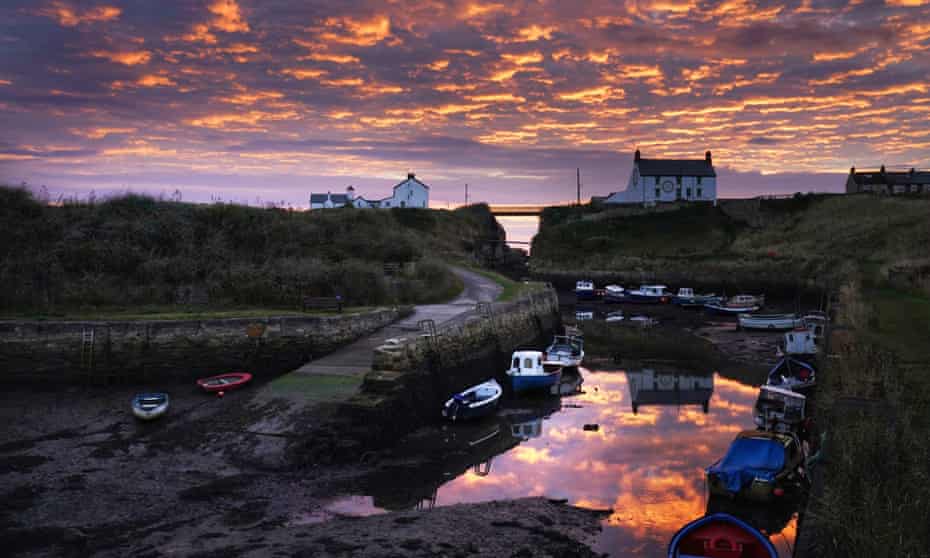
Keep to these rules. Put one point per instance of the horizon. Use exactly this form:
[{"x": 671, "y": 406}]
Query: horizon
[{"x": 246, "y": 101}]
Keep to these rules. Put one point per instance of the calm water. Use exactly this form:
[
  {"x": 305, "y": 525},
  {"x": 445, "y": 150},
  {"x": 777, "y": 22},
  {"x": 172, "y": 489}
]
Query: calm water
[
  {"x": 647, "y": 465},
  {"x": 520, "y": 230}
]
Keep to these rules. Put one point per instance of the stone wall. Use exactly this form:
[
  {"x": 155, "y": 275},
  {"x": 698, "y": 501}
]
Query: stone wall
[{"x": 174, "y": 349}]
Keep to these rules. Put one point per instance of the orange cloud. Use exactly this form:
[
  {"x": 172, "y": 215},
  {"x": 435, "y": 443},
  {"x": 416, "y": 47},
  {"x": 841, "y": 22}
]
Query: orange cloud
[
  {"x": 592, "y": 95},
  {"x": 100, "y": 133},
  {"x": 69, "y": 16},
  {"x": 304, "y": 73},
  {"x": 228, "y": 16},
  {"x": 358, "y": 32},
  {"x": 127, "y": 58},
  {"x": 155, "y": 80},
  {"x": 535, "y": 32}
]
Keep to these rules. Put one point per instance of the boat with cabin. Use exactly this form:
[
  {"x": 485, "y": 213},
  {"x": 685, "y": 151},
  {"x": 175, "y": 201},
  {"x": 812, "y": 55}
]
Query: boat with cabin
[
  {"x": 759, "y": 466},
  {"x": 475, "y": 402},
  {"x": 802, "y": 342},
  {"x": 530, "y": 371},
  {"x": 739, "y": 304},
  {"x": 779, "y": 410},
  {"x": 687, "y": 298},
  {"x": 568, "y": 350},
  {"x": 149, "y": 406},
  {"x": 720, "y": 535},
  {"x": 615, "y": 293},
  {"x": 769, "y": 321},
  {"x": 584, "y": 290},
  {"x": 651, "y": 294},
  {"x": 793, "y": 374}
]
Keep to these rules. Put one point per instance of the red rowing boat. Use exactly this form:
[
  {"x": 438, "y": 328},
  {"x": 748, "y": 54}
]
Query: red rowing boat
[{"x": 224, "y": 382}]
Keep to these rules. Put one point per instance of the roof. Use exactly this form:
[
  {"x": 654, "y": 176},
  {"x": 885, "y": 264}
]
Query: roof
[
  {"x": 410, "y": 178},
  {"x": 336, "y": 198},
  {"x": 892, "y": 177},
  {"x": 675, "y": 167}
]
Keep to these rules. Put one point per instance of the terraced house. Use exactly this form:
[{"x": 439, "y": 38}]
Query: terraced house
[
  {"x": 668, "y": 180},
  {"x": 408, "y": 193},
  {"x": 882, "y": 181}
]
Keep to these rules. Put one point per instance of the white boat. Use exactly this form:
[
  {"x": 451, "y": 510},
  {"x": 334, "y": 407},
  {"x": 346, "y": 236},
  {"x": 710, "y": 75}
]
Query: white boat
[
  {"x": 148, "y": 406},
  {"x": 779, "y": 409},
  {"x": 615, "y": 293},
  {"x": 568, "y": 350},
  {"x": 584, "y": 315},
  {"x": 739, "y": 304},
  {"x": 584, "y": 290},
  {"x": 769, "y": 321},
  {"x": 477, "y": 401},
  {"x": 687, "y": 298},
  {"x": 650, "y": 293},
  {"x": 800, "y": 342},
  {"x": 529, "y": 371}
]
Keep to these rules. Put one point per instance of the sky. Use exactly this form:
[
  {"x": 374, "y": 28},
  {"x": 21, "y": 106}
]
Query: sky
[{"x": 265, "y": 101}]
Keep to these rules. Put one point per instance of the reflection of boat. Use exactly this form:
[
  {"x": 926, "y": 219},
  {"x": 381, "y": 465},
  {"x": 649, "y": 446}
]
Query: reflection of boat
[
  {"x": 686, "y": 298},
  {"x": 526, "y": 423},
  {"x": 584, "y": 315},
  {"x": 584, "y": 290},
  {"x": 739, "y": 304},
  {"x": 720, "y": 536},
  {"x": 650, "y": 293},
  {"x": 769, "y": 321},
  {"x": 615, "y": 316},
  {"x": 568, "y": 350},
  {"x": 649, "y": 387},
  {"x": 771, "y": 518},
  {"x": 476, "y": 401},
  {"x": 778, "y": 409},
  {"x": 758, "y": 466},
  {"x": 615, "y": 293},
  {"x": 791, "y": 373},
  {"x": 148, "y": 406},
  {"x": 569, "y": 384},
  {"x": 528, "y": 371}
]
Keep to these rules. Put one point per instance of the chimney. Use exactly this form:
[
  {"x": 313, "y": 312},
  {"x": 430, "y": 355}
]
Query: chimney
[
  {"x": 350, "y": 193},
  {"x": 411, "y": 176},
  {"x": 913, "y": 170},
  {"x": 882, "y": 169},
  {"x": 636, "y": 156},
  {"x": 707, "y": 157},
  {"x": 852, "y": 170}
]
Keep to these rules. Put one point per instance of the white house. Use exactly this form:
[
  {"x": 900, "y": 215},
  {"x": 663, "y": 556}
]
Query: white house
[
  {"x": 668, "y": 180},
  {"x": 409, "y": 193}
]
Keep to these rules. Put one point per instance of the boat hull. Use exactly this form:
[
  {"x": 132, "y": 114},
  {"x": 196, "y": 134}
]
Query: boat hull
[
  {"x": 586, "y": 294},
  {"x": 224, "y": 382},
  {"x": 767, "y": 323},
  {"x": 150, "y": 406},
  {"x": 730, "y": 311},
  {"x": 648, "y": 299},
  {"x": 475, "y": 402},
  {"x": 718, "y": 536},
  {"x": 534, "y": 382},
  {"x": 457, "y": 412}
]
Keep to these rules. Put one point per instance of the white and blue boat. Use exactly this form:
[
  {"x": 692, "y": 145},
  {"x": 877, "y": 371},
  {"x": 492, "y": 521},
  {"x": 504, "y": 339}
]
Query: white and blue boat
[
  {"x": 476, "y": 401},
  {"x": 568, "y": 350},
  {"x": 149, "y": 406},
  {"x": 584, "y": 290},
  {"x": 615, "y": 293},
  {"x": 650, "y": 294},
  {"x": 739, "y": 304},
  {"x": 529, "y": 371},
  {"x": 687, "y": 298}
]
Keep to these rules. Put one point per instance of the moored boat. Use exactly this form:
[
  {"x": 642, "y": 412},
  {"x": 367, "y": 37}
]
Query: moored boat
[
  {"x": 802, "y": 342},
  {"x": 584, "y": 290},
  {"x": 779, "y": 410},
  {"x": 224, "y": 382},
  {"x": 528, "y": 371},
  {"x": 686, "y": 298},
  {"x": 769, "y": 321},
  {"x": 739, "y": 304},
  {"x": 477, "y": 401},
  {"x": 650, "y": 294},
  {"x": 148, "y": 406},
  {"x": 793, "y": 374},
  {"x": 759, "y": 466},
  {"x": 615, "y": 293},
  {"x": 616, "y": 316},
  {"x": 567, "y": 350},
  {"x": 720, "y": 535}
]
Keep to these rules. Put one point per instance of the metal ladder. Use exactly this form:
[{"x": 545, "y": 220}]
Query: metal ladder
[{"x": 87, "y": 349}]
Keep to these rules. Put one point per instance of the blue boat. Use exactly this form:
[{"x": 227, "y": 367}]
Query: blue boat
[
  {"x": 149, "y": 406},
  {"x": 759, "y": 466},
  {"x": 584, "y": 290},
  {"x": 476, "y": 401},
  {"x": 652, "y": 294},
  {"x": 720, "y": 535},
  {"x": 686, "y": 298},
  {"x": 529, "y": 372}
]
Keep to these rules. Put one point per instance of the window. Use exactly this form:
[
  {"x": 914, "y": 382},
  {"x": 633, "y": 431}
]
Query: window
[
  {"x": 699, "y": 180},
  {"x": 678, "y": 178},
  {"x": 527, "y": 363},
  {"x": 387, "y": 204},
  {"x": 516, "y": 363},
  {"x": 688, "y": 192},
  {"x": 699, "y": 193},
  {"x": 657, "y": 192},
  {"x": 657, "y": 181},
  {"x": 678, "y": 193},
  {"x": 403, "y": 204}
]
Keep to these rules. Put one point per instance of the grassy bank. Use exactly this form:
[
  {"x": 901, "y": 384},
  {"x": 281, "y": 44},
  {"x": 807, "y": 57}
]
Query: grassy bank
[
  {"x": 82, "y": 258},
  {"x": 511, "y": 289}
]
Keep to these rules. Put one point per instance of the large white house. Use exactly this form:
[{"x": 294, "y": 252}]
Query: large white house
[
  {"x": 409, "y": 193},
  {"x": 668, "y": 180}
]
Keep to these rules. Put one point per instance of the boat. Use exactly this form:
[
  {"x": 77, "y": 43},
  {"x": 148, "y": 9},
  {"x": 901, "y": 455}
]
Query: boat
[
  {"x": 615, "y": 293},
  {"x": 792, "y": 374},
  {"x": 584, "y": 315},
  {"x": 686, "y": 298},
  {"x": 148, "y": 406},
  {"x": 477, "y": 401},
  {"x": 720, "y": 535},
  {"x": 779, "y": 409},
  {"x": 568, "y": 350},
  {"x": 584, "y": 290},
  {"x": 802, "y": 342},
  {"x": 615, "y": 316},
  {"x": 529, "y": 371},
  {"x": 739, "y": 304},
  {"x": 759, "y": 466},
  {"x": 224, "y": 382},
  {"x": 769, "y": 321},
  {"x": 650, "y": 294}
]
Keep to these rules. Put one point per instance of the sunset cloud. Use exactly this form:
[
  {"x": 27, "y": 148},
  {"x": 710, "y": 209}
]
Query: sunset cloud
[{"x": 69, "y": 15}]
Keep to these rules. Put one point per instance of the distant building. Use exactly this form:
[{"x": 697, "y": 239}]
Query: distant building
[
  {"x": 668, "y": 180},
  {"x": 882, "y": 181},
  {"x": 408, "y": 193}
]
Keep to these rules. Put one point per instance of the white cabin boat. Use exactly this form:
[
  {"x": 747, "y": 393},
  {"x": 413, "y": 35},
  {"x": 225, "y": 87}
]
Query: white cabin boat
[
  {"x": 584, "y": 290},
  {"x": 529, "y": 371},
  {"x": 739, "y": 304},
  {"x": 686, "y": 298},
  {"x": 798, "y": 342},
  {"x": 615, "y": 293},
  {"x": 650, "y": 293}
]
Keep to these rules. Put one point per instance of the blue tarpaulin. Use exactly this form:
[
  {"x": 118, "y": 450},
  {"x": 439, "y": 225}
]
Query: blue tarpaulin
[{"x": 749, "y": 458}]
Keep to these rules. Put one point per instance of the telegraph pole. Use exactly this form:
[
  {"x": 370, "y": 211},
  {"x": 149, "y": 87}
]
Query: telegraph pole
[
  {"x": 466, "y": 193},
  {"x": 578, "y": 183}
]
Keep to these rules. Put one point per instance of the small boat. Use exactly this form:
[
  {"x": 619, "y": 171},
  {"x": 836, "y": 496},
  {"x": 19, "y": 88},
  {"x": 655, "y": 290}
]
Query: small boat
[
  {"x": 793, "y": 374},
  {"x": 759, "y": 466},
  {"x": 616, "y": 316},
  {"x": 568, "y": 350},
  {"x": 801, "y": 342},
  {"x": 148, "y": 406},
  {"x": 584, "y": 290},
  {"x": 779, "y": 410},
  {"x": 739, "y": 304},
  {"x": 224, "y": 382},
  {"x": 686, "y": 298},
  {"x": 528, "y": 371},
  {"x": 650, "y": 294},
  {"x": 615, "y": 293},
  {"x": 476, "y": 401},
  {"x": 584, "y": 315},
  {"x": 720, "y": 535},
  {"x": 769, "y": 321}
]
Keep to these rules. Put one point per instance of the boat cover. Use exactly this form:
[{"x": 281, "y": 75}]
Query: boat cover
[{"x": 747, "y": 459}]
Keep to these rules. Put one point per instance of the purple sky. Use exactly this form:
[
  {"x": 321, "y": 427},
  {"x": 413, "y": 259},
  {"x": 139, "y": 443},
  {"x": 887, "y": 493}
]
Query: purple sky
[{"x": 247, "y": 100}]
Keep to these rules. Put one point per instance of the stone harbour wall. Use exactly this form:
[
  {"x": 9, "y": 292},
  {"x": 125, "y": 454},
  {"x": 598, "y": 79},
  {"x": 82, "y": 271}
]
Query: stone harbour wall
[{"x": 174, "y": 349}]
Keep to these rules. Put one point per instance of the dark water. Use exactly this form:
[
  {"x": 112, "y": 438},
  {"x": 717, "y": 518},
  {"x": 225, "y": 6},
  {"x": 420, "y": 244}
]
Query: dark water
[{"x": 647, "y": 465}]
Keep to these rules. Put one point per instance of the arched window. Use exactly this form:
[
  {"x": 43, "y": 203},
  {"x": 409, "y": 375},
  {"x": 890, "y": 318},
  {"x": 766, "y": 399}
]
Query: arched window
[{"x": 527, "y": 363}]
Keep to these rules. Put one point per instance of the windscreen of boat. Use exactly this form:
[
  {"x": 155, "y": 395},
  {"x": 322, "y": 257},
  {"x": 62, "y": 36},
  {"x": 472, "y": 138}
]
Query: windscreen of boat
[{"x": 747, "y": 459}]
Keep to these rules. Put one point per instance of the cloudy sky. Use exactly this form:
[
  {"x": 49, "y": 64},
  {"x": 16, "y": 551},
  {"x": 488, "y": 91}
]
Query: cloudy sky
[{"x": 268, "y": 100}]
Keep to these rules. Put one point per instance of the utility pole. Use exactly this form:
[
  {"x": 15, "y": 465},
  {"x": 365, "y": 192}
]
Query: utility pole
[
  {"x": 578, "y": 183},
  {"x": 466, "y": 193}
]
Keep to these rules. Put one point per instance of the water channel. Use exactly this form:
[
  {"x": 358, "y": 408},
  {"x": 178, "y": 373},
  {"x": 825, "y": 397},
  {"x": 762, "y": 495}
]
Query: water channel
[{"x": 650, "y": 433}]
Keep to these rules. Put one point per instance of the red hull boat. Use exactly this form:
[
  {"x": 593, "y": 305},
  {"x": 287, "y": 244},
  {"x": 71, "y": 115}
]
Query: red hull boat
[
  {"x": 720, "y": 536},
  {"x": 224, "y": 382}
]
